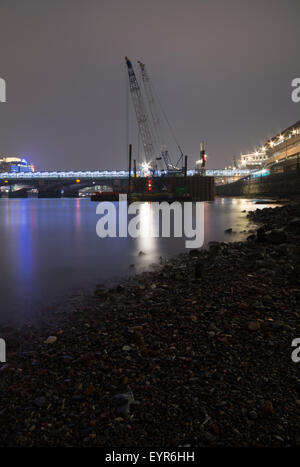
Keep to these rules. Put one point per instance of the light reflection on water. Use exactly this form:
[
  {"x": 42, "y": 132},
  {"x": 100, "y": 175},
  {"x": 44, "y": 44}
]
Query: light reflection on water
[{"x": 50, "y": 250}]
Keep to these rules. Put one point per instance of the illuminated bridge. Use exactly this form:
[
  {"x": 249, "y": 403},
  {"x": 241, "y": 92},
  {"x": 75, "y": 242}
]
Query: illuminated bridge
[{"x": 54, "y": 184}]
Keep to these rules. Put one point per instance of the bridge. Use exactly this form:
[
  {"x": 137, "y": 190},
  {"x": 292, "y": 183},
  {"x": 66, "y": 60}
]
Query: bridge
[{"x": 56, "y": 184}]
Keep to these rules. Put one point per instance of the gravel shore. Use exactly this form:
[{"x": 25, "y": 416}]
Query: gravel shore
[{"x": 197, "y": 353}]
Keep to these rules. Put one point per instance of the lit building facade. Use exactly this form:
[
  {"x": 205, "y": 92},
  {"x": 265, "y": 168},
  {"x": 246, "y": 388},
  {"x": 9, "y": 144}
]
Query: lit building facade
[
  {"x": 279, "y": 153},
  {"x": 13, "y": 164},
  {"x": 283, "y": 150},
  {"x": 254, "y": 160}
]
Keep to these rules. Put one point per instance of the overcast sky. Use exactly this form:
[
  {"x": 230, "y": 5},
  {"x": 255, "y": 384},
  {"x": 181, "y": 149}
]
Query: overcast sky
[{"x": 222, "y": 68}]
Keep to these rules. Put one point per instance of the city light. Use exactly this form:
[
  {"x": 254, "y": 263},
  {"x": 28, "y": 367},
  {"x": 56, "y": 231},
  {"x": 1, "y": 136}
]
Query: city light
[{"x": 146, "y": 166}]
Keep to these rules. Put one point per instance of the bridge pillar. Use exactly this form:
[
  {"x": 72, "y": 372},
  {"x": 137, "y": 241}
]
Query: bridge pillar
[
  {"x": 71, "y": 194},
  {"x": 49, "y": 193},
  {"x": 22, "y": 193}
]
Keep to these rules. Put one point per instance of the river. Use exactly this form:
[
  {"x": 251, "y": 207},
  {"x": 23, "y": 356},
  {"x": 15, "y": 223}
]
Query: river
[{"x": 50, "y": 250}]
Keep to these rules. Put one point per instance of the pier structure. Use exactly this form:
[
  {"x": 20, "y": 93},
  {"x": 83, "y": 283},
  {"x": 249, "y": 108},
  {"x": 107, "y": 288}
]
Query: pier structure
[{"x": 279, "y": 174}]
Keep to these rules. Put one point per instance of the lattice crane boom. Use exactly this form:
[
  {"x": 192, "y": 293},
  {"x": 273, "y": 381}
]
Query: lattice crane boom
[
  {"x": 151, "y": 103},
  {"x": 155, "y": 117},
  {"x": 141, "y": 114}
]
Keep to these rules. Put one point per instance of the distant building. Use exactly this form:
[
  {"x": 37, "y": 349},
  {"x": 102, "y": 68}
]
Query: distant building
[
  {"x": 278, "y": 153},
  {"x": 254, "y": 160},
  {"x": 13, "y": 164},
  {"x": 283, "y": 150}
]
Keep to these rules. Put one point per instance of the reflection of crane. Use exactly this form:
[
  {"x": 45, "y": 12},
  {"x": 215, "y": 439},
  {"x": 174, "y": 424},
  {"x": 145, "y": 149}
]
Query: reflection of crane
[
  {"x": 152, "y": 137},
  {"x": 141, "y": 114}
]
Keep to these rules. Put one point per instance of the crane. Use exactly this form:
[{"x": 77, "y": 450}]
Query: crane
[
  {"x": 156, "y": 120},
  {"x": 154, "y": 113},
  {"x": 141, "y": 114}
]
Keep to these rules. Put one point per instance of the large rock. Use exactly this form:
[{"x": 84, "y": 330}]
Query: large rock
[
  {"x": 294, "y": 225},
  {"x": 50, "y": 340},
  {"x": 276, "y": 236},
  {"x": 122, "y": 403}
]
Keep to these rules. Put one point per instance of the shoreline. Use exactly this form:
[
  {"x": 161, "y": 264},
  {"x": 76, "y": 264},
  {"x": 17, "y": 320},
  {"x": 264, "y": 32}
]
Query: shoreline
[
  {"x": 197, "y": 353},
  {"x": 36, "y": 305}
]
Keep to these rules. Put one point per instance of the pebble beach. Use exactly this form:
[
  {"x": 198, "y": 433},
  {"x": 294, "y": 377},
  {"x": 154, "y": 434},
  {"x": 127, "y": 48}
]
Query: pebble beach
[{"x": 196, "y": 353}]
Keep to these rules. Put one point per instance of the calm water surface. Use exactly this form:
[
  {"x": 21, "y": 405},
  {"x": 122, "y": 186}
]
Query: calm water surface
[{"x": 50, "y": 250}]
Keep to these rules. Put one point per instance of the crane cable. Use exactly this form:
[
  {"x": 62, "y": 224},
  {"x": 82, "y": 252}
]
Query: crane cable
[{"x": 169, "y": 124}]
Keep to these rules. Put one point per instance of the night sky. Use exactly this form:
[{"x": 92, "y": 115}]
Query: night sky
[{"x": 223, "y": 71}]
